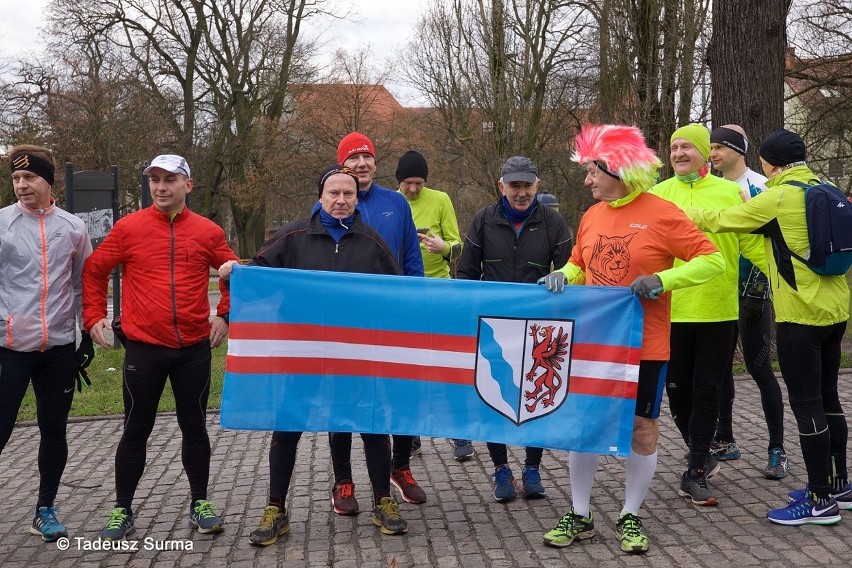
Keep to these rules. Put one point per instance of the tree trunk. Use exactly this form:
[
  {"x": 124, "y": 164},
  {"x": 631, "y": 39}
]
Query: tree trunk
[
  {"x": 250, "y": 225},
  {"x": 746, "y": 60}
]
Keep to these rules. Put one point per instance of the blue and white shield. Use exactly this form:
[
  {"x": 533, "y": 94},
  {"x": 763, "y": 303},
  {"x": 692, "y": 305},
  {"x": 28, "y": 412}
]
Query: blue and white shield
[{"x": 523, "y": 366}]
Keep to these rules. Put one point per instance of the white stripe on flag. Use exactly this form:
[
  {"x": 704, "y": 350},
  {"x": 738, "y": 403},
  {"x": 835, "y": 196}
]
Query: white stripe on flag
[
  {"x": 605, "y": 370},
  {"x": 333, "y": 350},
  {"x": 406, "y": 355}
]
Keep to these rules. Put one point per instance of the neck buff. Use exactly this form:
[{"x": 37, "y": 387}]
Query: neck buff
[
  {"x": 335, "y": 227},
  {"x": 695, "y": 176},
  {"x": 515, "y": 216}
]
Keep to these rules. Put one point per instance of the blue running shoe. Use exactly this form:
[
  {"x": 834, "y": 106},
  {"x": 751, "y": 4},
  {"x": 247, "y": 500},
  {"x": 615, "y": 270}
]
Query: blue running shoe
[
  {"x": 46, "y": 525},
  {"x": 531, "y": 482},
  {"x": 120, "y": 525},
  {"x": 504, "y": 484},
  {"x": 843, "y": 498},
  {"x": 806, "y": 511},
  {"x": 202, "y": 515}
]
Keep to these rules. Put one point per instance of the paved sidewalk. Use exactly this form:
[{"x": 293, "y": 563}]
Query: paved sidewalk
[{"x": 461, "y": 525}]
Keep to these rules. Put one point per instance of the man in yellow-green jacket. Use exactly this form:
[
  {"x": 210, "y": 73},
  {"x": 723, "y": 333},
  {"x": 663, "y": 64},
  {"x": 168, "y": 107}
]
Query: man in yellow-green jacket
[
  {"x": 703, "y": 317},
  {"x": 811, "y": 311}
]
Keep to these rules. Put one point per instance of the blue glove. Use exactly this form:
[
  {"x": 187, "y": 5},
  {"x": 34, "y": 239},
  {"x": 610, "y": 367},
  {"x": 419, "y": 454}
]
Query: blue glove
[
  {"x": 555, "y": 281},
  {"x": 647, "y": 286}
]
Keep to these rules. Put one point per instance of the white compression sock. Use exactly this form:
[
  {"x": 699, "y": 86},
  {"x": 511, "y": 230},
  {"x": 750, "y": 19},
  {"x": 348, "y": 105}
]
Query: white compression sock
[
  {"x": 581, "y": 470},
  {"x": 639, "y": 472}
]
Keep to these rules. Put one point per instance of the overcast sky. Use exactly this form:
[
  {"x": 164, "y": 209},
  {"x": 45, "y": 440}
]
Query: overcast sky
[{"x": 385, "y": 24}]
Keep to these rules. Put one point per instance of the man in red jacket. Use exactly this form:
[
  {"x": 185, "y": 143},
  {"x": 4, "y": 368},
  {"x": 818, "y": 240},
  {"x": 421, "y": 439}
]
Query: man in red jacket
[{"x": 167, "y": 252}]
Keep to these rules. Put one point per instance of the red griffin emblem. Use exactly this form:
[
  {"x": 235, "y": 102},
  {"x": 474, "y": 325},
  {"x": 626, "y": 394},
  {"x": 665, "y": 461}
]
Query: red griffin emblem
[{"x": 547, "y": 354}]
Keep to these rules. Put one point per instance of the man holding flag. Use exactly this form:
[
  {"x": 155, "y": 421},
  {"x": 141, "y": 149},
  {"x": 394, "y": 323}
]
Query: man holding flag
[
  {"x": 333, "y": 238},
  {"x": 629, "y": 238},
  {"x": 515, "y": 240}
]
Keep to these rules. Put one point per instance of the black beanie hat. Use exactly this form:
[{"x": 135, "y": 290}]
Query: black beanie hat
[
  {"x": 782, "y": 147},
  {"x": 333, "y": 170},
  {"x": 412, "y": 164}
]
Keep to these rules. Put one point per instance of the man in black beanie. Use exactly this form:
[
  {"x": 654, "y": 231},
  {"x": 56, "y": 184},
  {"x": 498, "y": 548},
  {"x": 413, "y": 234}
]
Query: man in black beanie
[
  {"x": 811, "y": 311},
  {"x": 438, "y": 231}
]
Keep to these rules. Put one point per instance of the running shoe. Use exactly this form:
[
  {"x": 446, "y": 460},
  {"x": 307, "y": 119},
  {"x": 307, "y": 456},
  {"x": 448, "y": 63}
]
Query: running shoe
[
  {"x": 273, "y": 524},
  {"x": 725, "y": 451},
  {"x": 570, "y": 527},
  {"x": 531, "y": 483},
  {"x": 386, "y": 517},
  {"x": 843, "y": 497},
  {"x": 776, "y": 467},
  {"x": 693, "y": 484},
  {"x": 202, "y": 515},
  {"x": 806, "y": 511},
  {"x": 406, "y": 485},
  {"x": 504, "y": 484},
  {"x": 629, "y": 529},
  {"x": 462, "y": 450},
  {"x": 46, "y": 525},
  {"x": 343, "y": 498},
  {"x": 120, "y": 525}
]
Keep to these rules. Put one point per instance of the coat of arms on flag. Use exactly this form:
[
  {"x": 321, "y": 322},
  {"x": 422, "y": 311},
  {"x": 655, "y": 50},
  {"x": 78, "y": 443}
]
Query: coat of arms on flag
[{"x": 523, "y": 366}]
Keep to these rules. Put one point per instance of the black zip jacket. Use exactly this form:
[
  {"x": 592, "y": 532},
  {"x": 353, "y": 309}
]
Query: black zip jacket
[
  {"x": 305, "y": 244},
  {"x": 493, "y": 252}
]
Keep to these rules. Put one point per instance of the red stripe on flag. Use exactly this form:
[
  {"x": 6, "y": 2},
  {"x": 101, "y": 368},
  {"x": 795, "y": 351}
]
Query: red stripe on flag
[
  {"x": 351, "y": 367},
  {"x": 602, "y": 387},
  {"x": 359, "y": 335},
  {"x": 605, "y": 353}
]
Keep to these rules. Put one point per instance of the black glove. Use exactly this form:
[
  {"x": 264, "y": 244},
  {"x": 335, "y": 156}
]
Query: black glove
[
  {"x": 753, "y": 308},
  {"x": 647, "y": 286},
  {"x": 83, "y": 357}
]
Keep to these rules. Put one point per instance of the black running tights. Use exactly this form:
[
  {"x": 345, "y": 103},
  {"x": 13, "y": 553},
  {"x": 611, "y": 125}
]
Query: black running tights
[
  {"x": 146, "y": 368},
  {"x": 52, "y": 374}
]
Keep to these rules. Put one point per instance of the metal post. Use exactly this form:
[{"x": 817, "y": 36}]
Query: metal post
[
  {"x": 116, "y": 274},
  {"x": 69, "y": 187}
]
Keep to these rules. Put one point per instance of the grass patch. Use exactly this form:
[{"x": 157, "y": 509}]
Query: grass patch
[{"x": 104, "y": 397}]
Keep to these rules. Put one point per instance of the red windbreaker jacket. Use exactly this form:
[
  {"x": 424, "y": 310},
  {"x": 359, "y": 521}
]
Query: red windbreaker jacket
[{"x": 164, "y": 279}]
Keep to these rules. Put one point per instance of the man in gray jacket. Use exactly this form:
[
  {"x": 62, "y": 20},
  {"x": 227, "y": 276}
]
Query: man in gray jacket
[{"x": 42, "y": 251}]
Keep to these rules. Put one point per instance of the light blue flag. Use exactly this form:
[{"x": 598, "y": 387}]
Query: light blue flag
[{"x": 499, "y": 362}]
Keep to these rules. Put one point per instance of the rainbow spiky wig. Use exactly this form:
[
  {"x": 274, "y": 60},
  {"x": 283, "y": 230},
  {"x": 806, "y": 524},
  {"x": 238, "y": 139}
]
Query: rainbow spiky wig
[{"x": 620, "y": 151}]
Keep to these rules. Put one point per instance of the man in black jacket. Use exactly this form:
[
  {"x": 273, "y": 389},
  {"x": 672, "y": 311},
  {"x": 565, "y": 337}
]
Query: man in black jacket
[
  {"x": 515, "y": 240},
  {"x": 333, "y": 238}
]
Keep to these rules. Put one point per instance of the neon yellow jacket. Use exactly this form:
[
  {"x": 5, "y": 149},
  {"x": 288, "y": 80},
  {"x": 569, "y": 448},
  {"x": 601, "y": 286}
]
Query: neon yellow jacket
[
  {"x": 433, "y": 209},
  {"x": 799, "y": 294},
  {"x": 716, "y": 299}
]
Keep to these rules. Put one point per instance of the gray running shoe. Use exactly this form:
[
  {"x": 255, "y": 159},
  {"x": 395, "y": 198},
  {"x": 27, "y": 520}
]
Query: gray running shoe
[
  {"x": 462, "y": 450},
  {"x": 777, "y": 466},
  {"x": 693, "y": 484}
]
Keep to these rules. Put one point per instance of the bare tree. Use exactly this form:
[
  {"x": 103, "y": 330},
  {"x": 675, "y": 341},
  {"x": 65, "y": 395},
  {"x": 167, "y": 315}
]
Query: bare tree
[
  {"x": 818, "y": 98},
  {"x": 746, "y": 60},
  {"x": 506, "y": 78},
  {"x": 221, "y": 67},
  {"x": 650, "y": 60}
]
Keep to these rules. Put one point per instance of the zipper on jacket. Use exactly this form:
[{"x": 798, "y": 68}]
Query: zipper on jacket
[
  {"x": 44, "y": 283},
  {"x": 172, "y": 270}
]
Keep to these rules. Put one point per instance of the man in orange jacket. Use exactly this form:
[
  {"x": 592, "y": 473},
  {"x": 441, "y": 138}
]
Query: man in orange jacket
[{"x": 167, "y": 252}]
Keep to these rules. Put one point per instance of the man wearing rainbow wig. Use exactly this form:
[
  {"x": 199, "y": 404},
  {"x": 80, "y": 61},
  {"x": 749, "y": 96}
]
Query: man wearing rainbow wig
[{"x": 630, "y": 238}]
